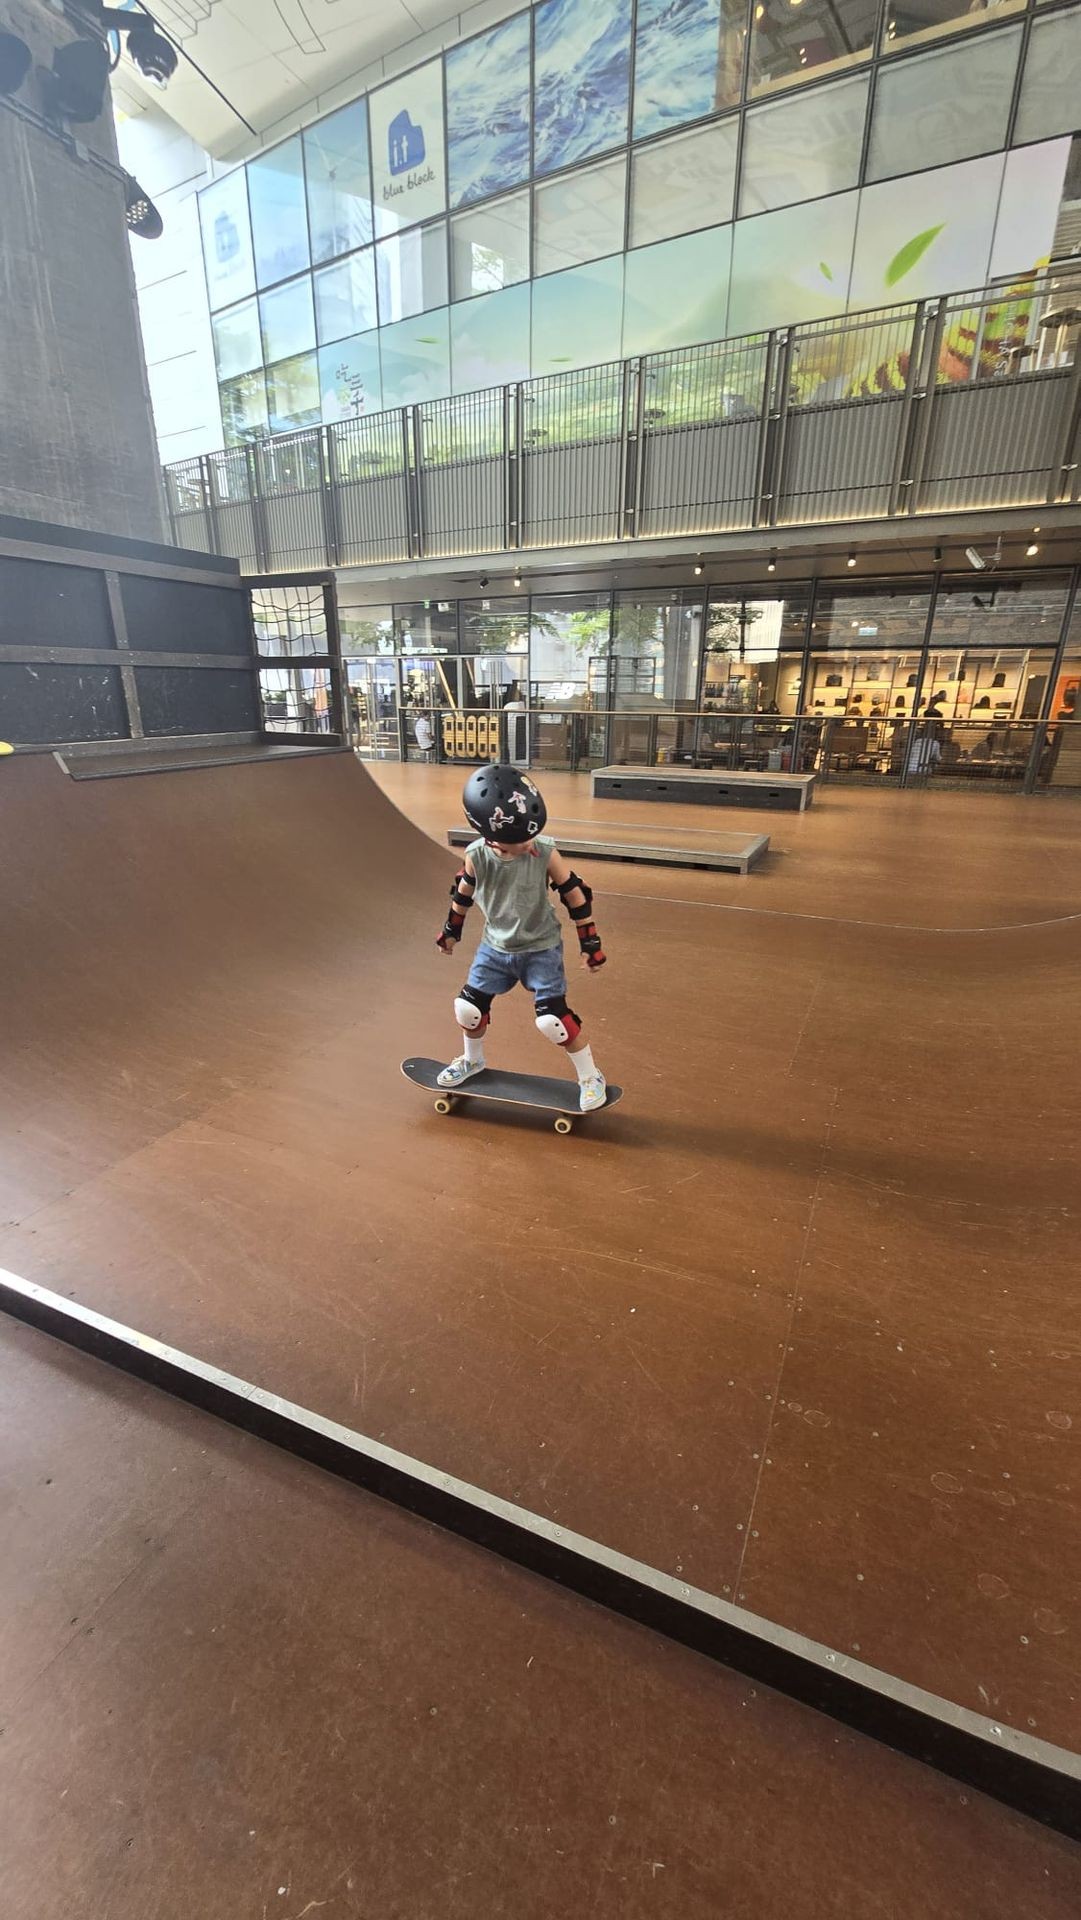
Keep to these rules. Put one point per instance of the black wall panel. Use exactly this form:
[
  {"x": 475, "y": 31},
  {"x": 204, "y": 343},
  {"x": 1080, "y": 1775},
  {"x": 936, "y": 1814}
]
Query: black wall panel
[
  {"x": 174, "y": 616},
  {"x": 45, "y": 605},
  {"x": 196, "y": 700},
  {"x": 47, "y": 705}
]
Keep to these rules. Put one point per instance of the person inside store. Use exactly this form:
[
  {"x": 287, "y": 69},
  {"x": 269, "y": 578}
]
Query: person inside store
[{"x": 925, "y": 751}]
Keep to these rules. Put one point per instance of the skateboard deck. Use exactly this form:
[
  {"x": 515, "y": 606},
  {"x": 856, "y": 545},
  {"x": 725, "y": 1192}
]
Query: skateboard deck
[{"x": 509, "y": 1089}]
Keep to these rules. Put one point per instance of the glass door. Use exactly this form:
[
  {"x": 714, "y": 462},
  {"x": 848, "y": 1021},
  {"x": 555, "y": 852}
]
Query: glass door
[{"x": 373, "y": 706}]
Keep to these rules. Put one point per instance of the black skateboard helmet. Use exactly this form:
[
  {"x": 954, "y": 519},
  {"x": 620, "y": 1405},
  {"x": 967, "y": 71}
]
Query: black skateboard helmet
[{"x": 503, "y": 804}]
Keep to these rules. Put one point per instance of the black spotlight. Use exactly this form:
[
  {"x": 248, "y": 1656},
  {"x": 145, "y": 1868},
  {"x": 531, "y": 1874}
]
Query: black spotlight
[
  {"x": 140, "y": 212},
  {"x": 78, "y": 80},
  {"x": 16, "y": 61},
  {"x": 152, "y": 53}
]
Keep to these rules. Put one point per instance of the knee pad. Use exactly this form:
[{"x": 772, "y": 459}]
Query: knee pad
[
  {"x": 471, "y": 1009},
  {"x": 556, "y": 1021}
]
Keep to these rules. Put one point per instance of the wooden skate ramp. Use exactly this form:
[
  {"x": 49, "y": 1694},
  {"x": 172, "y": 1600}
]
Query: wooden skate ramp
[{"x": 792, "y": 1323}]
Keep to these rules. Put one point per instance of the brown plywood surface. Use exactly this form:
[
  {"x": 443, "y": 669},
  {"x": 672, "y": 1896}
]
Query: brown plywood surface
[
  {"x": 844, "y": 1170},
  {"x": 232, "y": 1687}
]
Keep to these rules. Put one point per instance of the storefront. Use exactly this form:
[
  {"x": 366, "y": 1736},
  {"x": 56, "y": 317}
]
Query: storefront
[{"x": 966, "y": 682}]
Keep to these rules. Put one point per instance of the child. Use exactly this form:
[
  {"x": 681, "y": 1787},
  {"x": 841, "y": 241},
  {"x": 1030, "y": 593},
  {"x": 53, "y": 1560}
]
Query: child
[{"x": 508, "y": 871}]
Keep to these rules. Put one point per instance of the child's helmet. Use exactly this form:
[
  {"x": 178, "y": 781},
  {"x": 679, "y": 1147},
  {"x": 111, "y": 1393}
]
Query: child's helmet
[{"x": 503, "y": 804}]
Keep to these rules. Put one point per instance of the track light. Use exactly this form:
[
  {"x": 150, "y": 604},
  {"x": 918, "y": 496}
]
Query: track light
[
  {"x": 16, "y": 61},
  {"x": 140, "y": 212},
  {"x": 698, "y": 567},
  {"x": 938, "y": 556},
  {"x": 517, "y": 578},
  {"x": 771, "y": 565},
  {"x": 151, "y": 52},
  {"x": 1031, "y": 549},
  {"x": 75, "y": 88},
  {"x": 851, "y": 560}
]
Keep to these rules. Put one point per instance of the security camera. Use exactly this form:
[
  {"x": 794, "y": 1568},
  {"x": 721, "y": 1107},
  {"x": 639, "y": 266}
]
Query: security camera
[{"x": 975, "y": 559}]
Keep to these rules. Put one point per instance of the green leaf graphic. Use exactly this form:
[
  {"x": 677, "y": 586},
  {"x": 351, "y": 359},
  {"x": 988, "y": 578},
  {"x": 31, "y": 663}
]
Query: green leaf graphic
[
  {"x": 913, "y": 250},
  {"x": 824, "y": 270}
]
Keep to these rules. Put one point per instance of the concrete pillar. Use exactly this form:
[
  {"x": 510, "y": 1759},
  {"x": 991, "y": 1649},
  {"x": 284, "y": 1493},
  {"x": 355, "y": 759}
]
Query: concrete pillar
[{"x": 77, "y": 427}]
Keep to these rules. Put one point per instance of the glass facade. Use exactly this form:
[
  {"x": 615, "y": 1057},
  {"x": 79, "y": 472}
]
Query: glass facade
[
  {"x": 799, "y": 159},
  {"x": 899, "y": 682}
]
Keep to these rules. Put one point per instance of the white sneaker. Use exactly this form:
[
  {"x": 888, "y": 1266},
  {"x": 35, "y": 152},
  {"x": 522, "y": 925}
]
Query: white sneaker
[
  {"x": 459, "y": 1070},
  {"x": 593, "y": 1092}
]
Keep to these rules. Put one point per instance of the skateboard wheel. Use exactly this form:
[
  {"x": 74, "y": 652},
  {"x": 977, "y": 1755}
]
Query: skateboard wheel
[
  {"x": 563, "y": 1125},
  {"x": 444, "y": 1104}
]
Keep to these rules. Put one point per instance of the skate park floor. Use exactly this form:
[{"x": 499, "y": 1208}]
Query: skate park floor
[
  {"x": 233, "y": 1688},
  {"x": 796, "y": 1321}
]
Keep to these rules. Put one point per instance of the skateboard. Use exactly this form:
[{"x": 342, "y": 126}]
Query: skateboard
[{"x": 509, "y": 1089}]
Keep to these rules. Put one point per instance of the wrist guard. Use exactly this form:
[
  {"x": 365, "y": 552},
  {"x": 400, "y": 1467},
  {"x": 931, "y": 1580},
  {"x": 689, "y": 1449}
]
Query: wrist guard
[
  {"x": 452, "y": 930},
  {"x": 590, "y": 942}
]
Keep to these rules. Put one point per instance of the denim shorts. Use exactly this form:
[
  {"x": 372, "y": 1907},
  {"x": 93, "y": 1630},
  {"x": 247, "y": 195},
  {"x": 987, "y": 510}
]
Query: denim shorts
[{"x": 542, "y": 974}]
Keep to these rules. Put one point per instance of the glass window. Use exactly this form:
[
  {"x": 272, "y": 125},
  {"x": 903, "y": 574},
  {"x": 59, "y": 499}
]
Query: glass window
[
  {"x": 488, "y": 112},
  {"x": 411, "y": 271},
  {"x": 415, "y": 357},
  {"x": 910, "y": 23},
  {"x": 804, "y": 148},
  {"x": 697, "y": 263},
  {"x": 489, "y": 249},
  {"x": 496, "y": 626},
  {"x": 350, "y": 382},
  {"x": 287, "y": 319},
  {"x": 293, "y": 393},
  {"x": 244, "y": 409},
  {"x": 578, "y": 317},
  {"x": 581, "y": 79},
  {"x": 754, "y": 654},
  {"x": 489, "y": 340},
  {"x": 1035, "y": 185},
  {"x": 688, "y": 61},
  {"x": 339, "y": 182},
  {"x": 408, "y": 174},
  {"x": 818, "y": 37},
  {"x": 345, "y": 297},
  {"x": 944, "y": 105},
  {"x": 999, "y": 612},
  {"x": 1051, "y": 87},
  {"x": 656, "y": 642},
  {"x": 569, "y": 639},
  {"x": 870, "y": 619},
  {"x": 792, "y": 265},
  {"x": 930, "y": 233},
  {"x": 1060, "y": 763},
  {"x": 866, "y": 646},
  {"x": 579, "y": 216},
  {"x": 279, "y": 216},
  {"x": 683, "y": 183},
  {"x": 426, "y": 626},
  {"x": 365, "y": 629},
  {"x": 237, "y": 344},
  {"x": 226, "y": 231}
]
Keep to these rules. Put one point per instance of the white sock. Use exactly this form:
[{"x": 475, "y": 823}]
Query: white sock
[
  {"x": 584, "y": 1063},
  {"x": 473, "y": 1045}
]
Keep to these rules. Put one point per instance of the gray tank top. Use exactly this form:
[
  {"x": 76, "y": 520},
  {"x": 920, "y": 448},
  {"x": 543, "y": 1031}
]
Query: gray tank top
[{"x": 513, "y": 897}]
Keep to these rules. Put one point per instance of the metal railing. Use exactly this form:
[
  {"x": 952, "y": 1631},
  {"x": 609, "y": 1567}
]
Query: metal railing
[
  {"x": 966, "y": 401},
  {"x": 1021, "y": 756}
]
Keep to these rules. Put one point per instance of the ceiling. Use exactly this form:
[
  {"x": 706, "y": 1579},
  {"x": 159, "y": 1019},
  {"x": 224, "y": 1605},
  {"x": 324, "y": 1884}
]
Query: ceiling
[{"x": 273, "y": 59}]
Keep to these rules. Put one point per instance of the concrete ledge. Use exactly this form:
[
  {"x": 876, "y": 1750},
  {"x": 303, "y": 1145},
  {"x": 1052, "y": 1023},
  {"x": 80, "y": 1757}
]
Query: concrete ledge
[{"x": 697, "y": 786}]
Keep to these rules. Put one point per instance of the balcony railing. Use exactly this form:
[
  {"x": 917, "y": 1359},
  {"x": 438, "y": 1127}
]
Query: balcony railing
[{"x": 961, "y": 402}]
